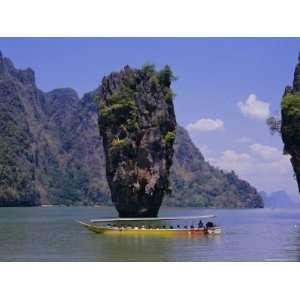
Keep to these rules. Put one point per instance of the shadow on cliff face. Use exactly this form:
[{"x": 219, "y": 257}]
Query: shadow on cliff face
[{"x": 137, "y": 122}]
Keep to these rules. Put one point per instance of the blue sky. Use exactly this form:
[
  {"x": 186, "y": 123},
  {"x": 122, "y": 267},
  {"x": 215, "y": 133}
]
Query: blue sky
[{"x": 214, "y": 75}]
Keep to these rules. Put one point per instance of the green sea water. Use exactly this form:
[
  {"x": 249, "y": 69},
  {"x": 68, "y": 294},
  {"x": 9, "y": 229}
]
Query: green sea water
[{"x": 52, "y": 234}]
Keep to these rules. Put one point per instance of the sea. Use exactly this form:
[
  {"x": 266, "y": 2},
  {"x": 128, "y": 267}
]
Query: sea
[{"x": 53, "y": 234}]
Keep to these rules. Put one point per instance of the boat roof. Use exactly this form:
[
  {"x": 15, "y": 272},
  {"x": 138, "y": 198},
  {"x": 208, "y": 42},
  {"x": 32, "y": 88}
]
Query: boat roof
[{"x": 154, "y": 219}]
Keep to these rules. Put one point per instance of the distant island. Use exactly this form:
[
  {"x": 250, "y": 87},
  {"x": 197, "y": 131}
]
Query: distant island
[
  {"x": 279, "y": 199},
  {"x": 51, "y": 153}
]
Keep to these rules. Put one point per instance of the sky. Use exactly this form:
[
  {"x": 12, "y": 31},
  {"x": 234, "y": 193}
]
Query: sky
[{"x": 226, "y": 89}]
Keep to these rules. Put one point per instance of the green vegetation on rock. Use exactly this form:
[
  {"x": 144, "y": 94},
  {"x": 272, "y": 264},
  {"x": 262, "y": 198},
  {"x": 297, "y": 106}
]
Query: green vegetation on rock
[
  {"x": 169, "y": 136},
  {"x": 290, "y": 130},
  {"x": 291, "y": 103},
  {"x": 290, "y": 122},
  {"x": 117, "y": 143},
  {"x": 137, "y": 124},
  {"x": 17, "y": 174},
  {"x": 290, "y": 107}
]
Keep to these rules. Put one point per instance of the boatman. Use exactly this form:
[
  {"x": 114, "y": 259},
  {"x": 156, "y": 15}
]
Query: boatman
[{"x": 200, "y": 224}]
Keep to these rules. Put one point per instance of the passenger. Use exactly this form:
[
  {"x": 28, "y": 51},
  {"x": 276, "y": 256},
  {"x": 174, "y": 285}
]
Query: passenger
[
  {"x": 171, "y": 227},
  {"x": 209, "y": 224},
  {"x": 192, "y": 226},
  {"x": 178, "y": 226},
  {"x": 185, "y": 227},
  {"x": 164, "y": 227},
  {"x": 200, "y": 224}
]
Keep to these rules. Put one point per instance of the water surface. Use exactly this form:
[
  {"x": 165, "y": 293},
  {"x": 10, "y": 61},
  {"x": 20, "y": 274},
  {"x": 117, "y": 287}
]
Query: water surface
[{"x": 51, "y": 234}]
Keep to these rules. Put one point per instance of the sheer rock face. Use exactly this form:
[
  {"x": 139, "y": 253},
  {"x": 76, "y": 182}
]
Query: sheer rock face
[
  {"x": 137, "y": 123},
  {"x": 290, "y": 126},
  {"x": 17, "y": 173}
]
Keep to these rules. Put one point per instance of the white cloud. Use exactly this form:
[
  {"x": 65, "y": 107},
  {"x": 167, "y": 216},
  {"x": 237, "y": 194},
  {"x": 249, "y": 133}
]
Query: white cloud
[
  {"x": 231, "y": 160},
  {"x": 266, "y": 152},
  {"x": 264, "y": 167},
  {"x": 255, "y": 108},
  {"x": 206, "y": 125}
]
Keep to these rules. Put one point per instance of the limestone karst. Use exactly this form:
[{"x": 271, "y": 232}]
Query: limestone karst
[
  {"x": 290, "y": 122},
  {"x": 138, "y": 125}
]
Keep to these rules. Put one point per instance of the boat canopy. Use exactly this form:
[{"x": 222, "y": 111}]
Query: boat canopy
[{"x": 154, "y": 219}]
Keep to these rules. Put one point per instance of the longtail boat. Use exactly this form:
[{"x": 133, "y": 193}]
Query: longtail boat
[{"x": 149, "y": 226}]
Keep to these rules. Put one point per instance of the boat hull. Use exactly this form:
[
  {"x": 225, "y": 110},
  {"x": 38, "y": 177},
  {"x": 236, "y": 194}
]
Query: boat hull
[{"x": 152, "y": 231}]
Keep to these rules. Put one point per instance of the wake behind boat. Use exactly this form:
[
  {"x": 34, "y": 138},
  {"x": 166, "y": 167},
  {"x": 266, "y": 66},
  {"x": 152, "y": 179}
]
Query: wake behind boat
[{"x": 153, "y": 226}]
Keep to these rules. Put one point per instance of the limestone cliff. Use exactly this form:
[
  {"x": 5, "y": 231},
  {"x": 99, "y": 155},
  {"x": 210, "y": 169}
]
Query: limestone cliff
[
  {"x": 17, "y": 167},
  {"x": 290, "y": 122},
  {"x": 137, "y": 123}
]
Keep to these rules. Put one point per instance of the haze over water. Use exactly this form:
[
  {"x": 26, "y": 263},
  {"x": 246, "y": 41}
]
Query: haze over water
[{"x": 52, "y": 234}]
